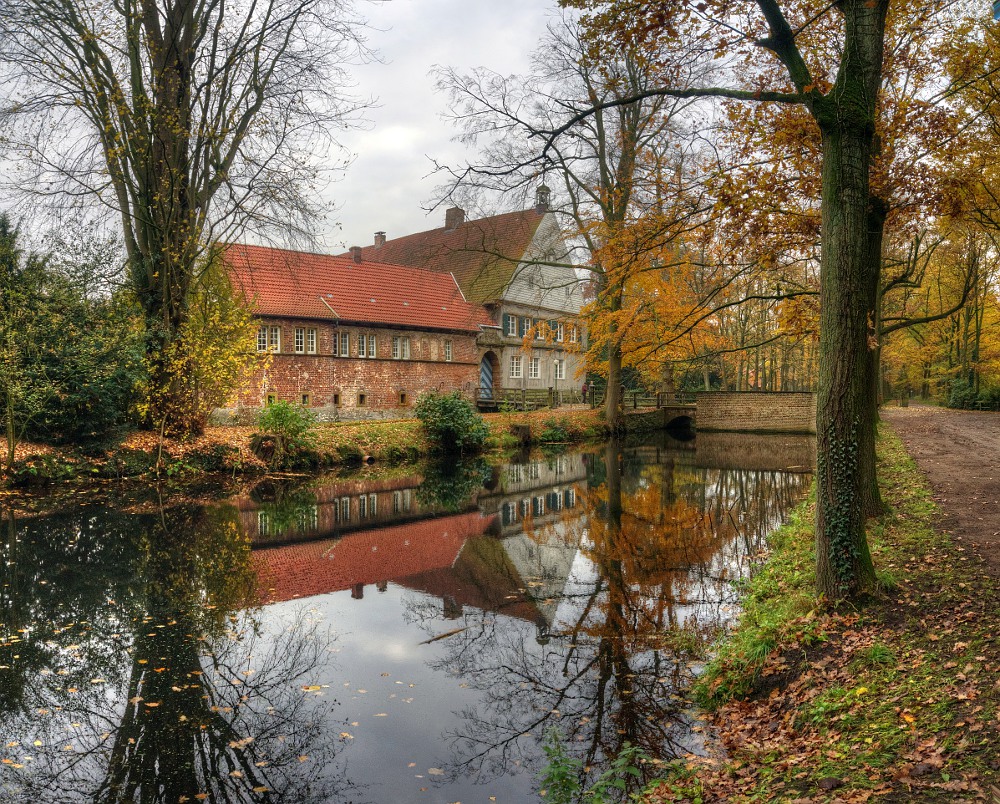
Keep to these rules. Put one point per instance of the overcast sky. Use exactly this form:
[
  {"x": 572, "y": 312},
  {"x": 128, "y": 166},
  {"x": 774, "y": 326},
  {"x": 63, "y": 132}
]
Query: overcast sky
[{"x": 388, "y": 185}]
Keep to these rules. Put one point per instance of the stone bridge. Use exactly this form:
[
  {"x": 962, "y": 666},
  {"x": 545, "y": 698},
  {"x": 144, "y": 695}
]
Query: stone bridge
[{"x": 729, "y": 411}]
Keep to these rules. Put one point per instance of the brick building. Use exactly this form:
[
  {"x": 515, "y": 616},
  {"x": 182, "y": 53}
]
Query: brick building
[
  {"x": 351, "y": 337},
  {"x": 517, "y": 266}
]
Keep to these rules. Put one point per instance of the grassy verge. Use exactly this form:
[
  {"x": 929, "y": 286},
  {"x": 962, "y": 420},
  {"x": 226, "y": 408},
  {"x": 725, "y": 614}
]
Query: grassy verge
[
  {"x": 893, "y": 700},
  {"x": 226, "y": 449}
]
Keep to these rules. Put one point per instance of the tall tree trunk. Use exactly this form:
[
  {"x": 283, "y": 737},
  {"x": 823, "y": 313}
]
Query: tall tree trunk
[
  {"x": 845, "y": 408},
  {"x": 871, "y": 497}
]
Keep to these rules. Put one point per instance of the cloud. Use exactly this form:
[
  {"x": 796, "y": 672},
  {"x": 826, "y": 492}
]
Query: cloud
[{"x": 389, "y": 183}]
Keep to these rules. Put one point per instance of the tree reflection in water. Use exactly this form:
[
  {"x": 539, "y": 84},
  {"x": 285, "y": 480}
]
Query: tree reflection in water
[
  {"x": 654, "y": 548},
  {"x": 127, "y": 675}
]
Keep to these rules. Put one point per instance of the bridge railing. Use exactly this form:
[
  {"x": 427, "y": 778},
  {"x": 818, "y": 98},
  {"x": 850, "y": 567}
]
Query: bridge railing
[
  {"x": 526, "y": 398},
  {"x": 636, "y": 399}
]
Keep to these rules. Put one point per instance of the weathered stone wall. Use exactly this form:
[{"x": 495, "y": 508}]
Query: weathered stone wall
[{"x": 757, "y": 411}]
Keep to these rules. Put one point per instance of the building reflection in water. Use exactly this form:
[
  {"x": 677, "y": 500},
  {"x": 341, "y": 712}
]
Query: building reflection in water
[{"x": 584, "y": 587}]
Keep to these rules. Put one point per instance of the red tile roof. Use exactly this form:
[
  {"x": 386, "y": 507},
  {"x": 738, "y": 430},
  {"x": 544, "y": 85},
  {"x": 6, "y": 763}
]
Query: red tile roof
[
  {"x": 482, "y": 254},
  {"x": 484, "y": 578},
  {"x": 294, "y": 284},
  {"x": 366, "y": 557}
]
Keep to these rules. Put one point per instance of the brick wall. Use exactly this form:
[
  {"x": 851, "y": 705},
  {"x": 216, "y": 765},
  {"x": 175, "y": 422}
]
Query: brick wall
[
  {"x": 361, "y": 387},
  {"x": 759, "y": 412}
]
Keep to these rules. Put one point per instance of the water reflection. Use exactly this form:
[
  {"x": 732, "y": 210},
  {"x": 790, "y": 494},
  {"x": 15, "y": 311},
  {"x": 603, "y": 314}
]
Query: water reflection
[
  {"x": 134, "y": 669},
  {"x": 628, "y": 584},
  {"x": 484, "y": 604}
]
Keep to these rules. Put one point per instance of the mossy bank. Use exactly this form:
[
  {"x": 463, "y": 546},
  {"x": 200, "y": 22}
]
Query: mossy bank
[
  {"x": 894, "y": 699},
  {"x": 230, "y": 450}
]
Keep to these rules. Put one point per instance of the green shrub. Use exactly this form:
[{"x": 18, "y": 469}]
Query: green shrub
[
  {"x": 287, "y": 435},
  {"x": 451, "y": 423},
  {"x": 554, "y": 432},
  {"x": 962, "y": 395},
  {"x": 989, "y": 398},
  {"x": 129, "y": 462},
  {"x": 563, "y": 777},
  {"x": 40, "y": 470},
  {"x": 451, "y": 485}
]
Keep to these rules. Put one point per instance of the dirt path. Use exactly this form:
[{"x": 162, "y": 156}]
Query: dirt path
[{"x": 959, "y": 451}]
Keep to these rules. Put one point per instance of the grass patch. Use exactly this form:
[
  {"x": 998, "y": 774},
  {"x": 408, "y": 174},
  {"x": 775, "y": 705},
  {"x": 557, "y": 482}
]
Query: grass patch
[{"x": 892, "y": 700}]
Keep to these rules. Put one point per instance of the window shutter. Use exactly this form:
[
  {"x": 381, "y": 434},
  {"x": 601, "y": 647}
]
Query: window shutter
[
  {"x": 523, "y": 329},
  {"x": 506, "y": 323}
]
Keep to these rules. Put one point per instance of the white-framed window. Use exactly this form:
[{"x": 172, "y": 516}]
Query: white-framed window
[
  {"x": 512, "y": 326},
  {"x": 447, "y": 351},
  {"x": 362, "y": 507},
  {"x": 268, "y": 339},
  {"x": 400, "y": 347},
  {"x": 372, "y": 505},
  {"x": 367, "y": 346},
  {"x": 308, "y": 519},
  {"x": 538, "y": 506},
  {"x": 560, "y": 332},
  {"x": 345, "y": 344},
  {"x": 515, "y": 367},
  {"x": 534, "y": 368},
  {"x": 509, "y": 513},
  {"x": 300, "y": 340},
  {"x": 539, "y": 329},
  {"x": 574, "y": 334},
  {"x": 345, "y": 509},
  {"x": 311, "y": 340},
  {"x": 401, "y": 501},
  {"x": 559, "y": 369}
]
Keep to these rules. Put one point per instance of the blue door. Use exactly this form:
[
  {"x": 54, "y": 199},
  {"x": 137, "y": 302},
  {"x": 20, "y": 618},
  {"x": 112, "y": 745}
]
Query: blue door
[{"x": 486, "y": 379}]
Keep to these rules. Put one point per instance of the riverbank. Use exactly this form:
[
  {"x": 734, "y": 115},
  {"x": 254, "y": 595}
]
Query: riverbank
[
  {"x": 894, "y": 700},
  {"x": 144, "y": 455}
]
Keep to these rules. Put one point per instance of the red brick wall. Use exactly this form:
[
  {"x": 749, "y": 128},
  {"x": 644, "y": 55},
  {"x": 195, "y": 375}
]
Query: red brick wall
[
  {"x": 757, "y": 411},
  {"x": 381, "y": 380}
]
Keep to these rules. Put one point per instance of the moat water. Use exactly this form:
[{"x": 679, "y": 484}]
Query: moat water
[{"x": 413, "y": 635}]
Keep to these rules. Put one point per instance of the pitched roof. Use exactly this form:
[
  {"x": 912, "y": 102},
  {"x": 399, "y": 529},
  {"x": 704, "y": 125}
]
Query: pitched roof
[
  {"x": 482, "y": 254},
  {"x": 295, "y": 284},
  {"x": 378, "y": 554}
]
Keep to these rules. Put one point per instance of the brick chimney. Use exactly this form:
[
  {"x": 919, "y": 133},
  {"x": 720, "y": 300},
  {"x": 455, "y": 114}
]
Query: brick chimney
[
  {"x": 542, "y": 195},
  {"x": 379, "y": 239},
  {"x": 356, "y": 253},
  {"x": 454, "y": 217}
]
